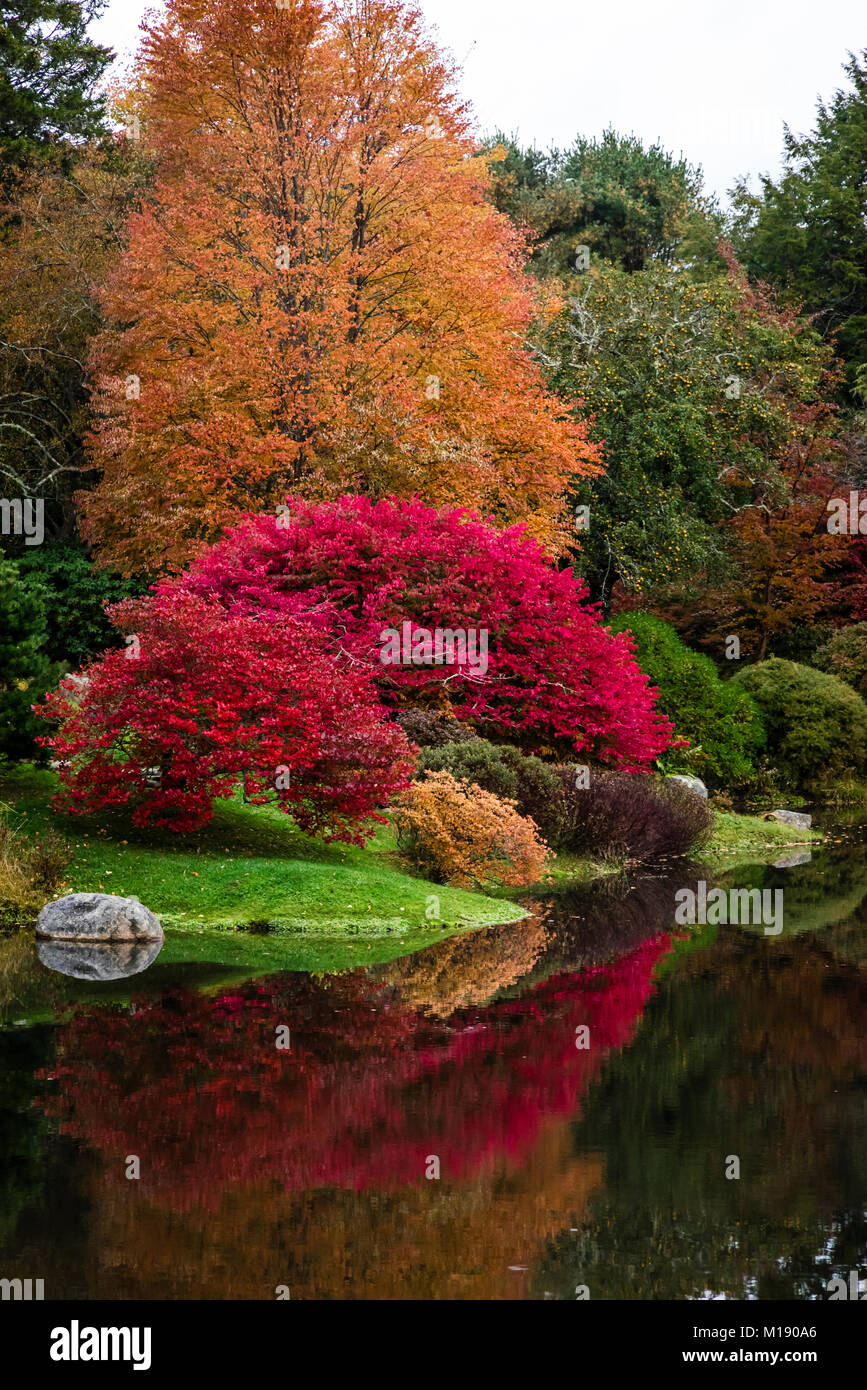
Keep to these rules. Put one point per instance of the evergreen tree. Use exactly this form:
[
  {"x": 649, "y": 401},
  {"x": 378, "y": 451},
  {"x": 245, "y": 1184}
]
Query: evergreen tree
[
  {"x": 49, "y": 68},
  {"x": 25, "y": 670},
  {"x": 625, "y": 203},
  {"x": 806, "y": 232}
]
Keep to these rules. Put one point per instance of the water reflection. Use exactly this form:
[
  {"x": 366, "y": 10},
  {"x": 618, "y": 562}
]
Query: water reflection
[
  {"x": 753, "y": 1048},
  {"x": 98, "y": 960},
  {"x": 559, "y": 1165},
  {"x": 793, "y": 861}
]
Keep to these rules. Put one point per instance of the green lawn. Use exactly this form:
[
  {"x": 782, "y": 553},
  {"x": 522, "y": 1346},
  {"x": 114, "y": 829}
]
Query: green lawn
[
  {"x": 325, "y": 906},
  {"x": 251, "y": 864}
]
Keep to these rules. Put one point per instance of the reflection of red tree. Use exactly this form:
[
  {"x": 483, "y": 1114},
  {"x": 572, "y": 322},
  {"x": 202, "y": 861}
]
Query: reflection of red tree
[{"x": 198, "y": 1089}]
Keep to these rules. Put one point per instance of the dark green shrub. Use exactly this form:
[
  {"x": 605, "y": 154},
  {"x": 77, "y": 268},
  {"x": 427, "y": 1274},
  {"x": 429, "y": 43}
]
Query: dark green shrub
[
  {"x": 802, "y": 643},
  {"x": 77, "y": 593},
  {"x": 431, "y": 729},
  {"x": 720, "y": 720},
  {"x": 629, "y": 815},
  {"x": 816, "y": 724},
  {"x": 26, "y": 672},
  {"x": 505, "y": 771},
  {"x": 539, "y": 789},
  {"x": 845, "y": 656}
]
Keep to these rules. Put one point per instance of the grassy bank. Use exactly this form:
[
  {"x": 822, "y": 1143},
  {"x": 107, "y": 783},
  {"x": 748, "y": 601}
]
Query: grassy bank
[
  {"x": 315, "y": 905},
  {"x": 735, "y": 839},
  {"x": 738, "y": 838},
  {"x": 251, "y": 865}
]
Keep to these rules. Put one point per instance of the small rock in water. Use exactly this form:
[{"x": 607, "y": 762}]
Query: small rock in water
[
  {"x": 791, "y": 861},
  {"x": 695, "y": 784},
  {"x": 97, "y": 917},
  {"x": 796, "y": 818}
]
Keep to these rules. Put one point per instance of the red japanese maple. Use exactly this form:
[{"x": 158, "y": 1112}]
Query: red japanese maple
[
  {"x": 555, "y": 676},
  {"x": 203, "y": 700}
]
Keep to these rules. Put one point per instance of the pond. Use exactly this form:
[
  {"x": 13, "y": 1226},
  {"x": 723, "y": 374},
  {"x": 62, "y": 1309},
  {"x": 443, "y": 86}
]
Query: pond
[{"x": 593, "y": 1101}]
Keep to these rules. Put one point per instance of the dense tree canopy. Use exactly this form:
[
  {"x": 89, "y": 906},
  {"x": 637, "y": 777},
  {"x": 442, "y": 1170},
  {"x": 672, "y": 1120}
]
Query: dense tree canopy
[
  {"x": 554, "y": 678},
  {"x": 624, "y": 203},
  {"x": 65, "y": 232},
  {"x": 714, "y": 409}
]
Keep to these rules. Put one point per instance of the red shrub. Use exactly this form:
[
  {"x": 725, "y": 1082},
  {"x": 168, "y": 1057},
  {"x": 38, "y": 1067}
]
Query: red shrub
[
  {"x": 212, "y": 699},
  {"x": 555, "y": 676}
]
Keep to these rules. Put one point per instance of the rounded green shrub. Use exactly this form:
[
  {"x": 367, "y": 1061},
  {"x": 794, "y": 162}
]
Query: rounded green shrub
[
  {"x": 505, "y": 771},
  {"x": 721, "y": 721},
  {"x": 845, "y": 656},
  {"x": 816, "y": 725},
  {"x": 539, "y": 789}
]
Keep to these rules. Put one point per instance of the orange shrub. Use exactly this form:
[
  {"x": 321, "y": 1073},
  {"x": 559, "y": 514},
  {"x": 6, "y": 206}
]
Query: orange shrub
[{"x": 458, "y": 833}]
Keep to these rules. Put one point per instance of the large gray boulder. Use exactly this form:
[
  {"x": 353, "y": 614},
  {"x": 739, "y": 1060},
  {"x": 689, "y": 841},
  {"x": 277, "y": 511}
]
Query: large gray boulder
[
  {"x": 98, "y": 960},
  {"x": 695, "y": 784},
  {"x": 796, "y": 818},
  {"x": 97, "y": 917}
]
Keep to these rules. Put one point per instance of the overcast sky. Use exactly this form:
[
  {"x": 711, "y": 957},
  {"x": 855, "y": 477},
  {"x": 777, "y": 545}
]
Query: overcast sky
[{"x": 713, "y": 79}]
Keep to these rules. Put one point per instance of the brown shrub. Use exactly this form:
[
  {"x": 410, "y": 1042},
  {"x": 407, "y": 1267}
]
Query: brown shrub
[
  {"x": 30, "y": 870},
  {"x": 459, "y": 834}
]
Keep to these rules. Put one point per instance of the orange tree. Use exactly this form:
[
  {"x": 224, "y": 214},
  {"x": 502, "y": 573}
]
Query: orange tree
[{"x": 316, "y": 294}]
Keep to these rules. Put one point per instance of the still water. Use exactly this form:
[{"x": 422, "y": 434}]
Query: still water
[{"x": 560, "y": 1166}]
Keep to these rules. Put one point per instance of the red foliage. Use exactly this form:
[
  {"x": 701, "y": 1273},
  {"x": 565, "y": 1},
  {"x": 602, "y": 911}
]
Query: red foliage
[
  {"x": 555, "y": 675},
  {"x": 212, "y": 698},
  {"x": 370, "y": 1087},
  {"x": 852, "y": 590}
]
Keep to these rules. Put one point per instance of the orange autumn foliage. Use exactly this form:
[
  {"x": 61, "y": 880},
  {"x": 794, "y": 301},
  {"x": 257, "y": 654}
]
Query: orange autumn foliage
[
  {"x": 468, "y": 837},
  {"x": 316, "y": 295},
  {"x": 470, "y": 969}
]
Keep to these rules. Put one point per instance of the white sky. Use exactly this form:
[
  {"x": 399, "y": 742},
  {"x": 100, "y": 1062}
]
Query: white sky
[{"x": 713, "y": 79}]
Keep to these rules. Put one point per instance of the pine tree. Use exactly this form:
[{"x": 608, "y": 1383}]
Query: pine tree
[{"x": 49, "y": 68}]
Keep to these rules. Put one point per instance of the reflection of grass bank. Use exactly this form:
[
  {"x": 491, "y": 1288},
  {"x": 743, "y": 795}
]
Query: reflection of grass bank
[
  {"x": 818, "y": 896},
  {"x": 198, "y": 959},
  {"x": 252, "y": 865},
  {"x": 571, "y": 869}
]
